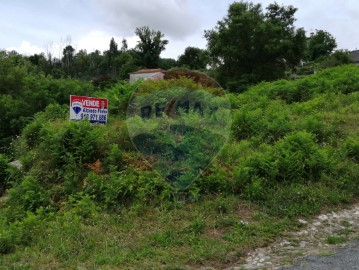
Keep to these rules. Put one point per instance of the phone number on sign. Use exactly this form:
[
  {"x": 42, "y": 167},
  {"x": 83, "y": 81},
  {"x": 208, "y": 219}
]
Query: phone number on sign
[{"x": 93, "y": 116}]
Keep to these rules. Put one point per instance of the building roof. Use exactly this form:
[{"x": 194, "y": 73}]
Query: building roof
[
  {"x": 148, "y": 71},
  {"x": 354, "y": 55}
]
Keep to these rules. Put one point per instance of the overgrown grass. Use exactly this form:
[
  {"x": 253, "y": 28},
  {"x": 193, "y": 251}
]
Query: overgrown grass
[
  {"x": 216, "y": 230},
  {"x": 86, "y": 199}
]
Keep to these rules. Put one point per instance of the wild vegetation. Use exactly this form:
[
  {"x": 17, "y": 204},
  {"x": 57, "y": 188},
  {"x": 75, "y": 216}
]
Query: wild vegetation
[
  {"x": 293, "y": 150},
  {"x": 86, "y": 198}
]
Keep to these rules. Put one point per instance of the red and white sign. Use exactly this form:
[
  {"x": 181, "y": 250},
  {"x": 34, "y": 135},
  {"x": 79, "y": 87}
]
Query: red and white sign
[{"x": 92, "y": 109}]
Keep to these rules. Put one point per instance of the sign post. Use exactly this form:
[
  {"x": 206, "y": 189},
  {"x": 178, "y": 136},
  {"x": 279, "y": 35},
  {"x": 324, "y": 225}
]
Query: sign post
[{"x": 92, "y": 109}]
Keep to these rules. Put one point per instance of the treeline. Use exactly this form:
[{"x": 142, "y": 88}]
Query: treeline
[
  {"x": 24, "y": 91},
  {"x": 117, "y": 62},
  {"x": 249, "y": 45},
  {"x": 110, "y": 65}
]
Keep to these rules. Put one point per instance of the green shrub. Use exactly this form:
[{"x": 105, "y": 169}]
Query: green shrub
[
  {"x": 29, "y": 195},
  {"x": 73, "y": 142},
  {"x": 3, "y": 172},
  {"x": 25, "y": 231},
  {"x": 351, "y": 148},
  {"x": 317, "y": 126},
  {"x": 79, "y": 141},
  {"x": 117, "y": 188},
  {"x": 118, "y": 97},
  {"x": 299, "y": 158},
  {"x": 114, "y": 159},
  {"x": 82, "y": 205},
  {"x": 294, "y": 159},
  {"x": 216, "y": 180},
  {"x": 31, "y": 133},
  {"x": 7, "y": 244},
  {"x": 245, "y": 123},
  {"x": 53, "y": 112},
  {"x": 299, "y": 92},
  {"x": 256, "y": 189},
  {"x": 154, "y": 188}
]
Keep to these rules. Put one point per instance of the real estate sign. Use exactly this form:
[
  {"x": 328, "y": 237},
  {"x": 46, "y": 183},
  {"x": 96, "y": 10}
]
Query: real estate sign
[{"x": 91, "y": 109}]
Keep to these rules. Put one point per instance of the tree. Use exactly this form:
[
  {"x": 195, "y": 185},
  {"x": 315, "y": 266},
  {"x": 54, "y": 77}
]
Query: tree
[
  {"x": 82, "y": 64},
  {"x": 150, "y": 46},
  {"x": 320, "y": 43},
  {"x": 41, "y": 62},
  {"x": 96, "y": 66},
  {"x": 68, "y": 59},
  {"x": 249, "y": 46},
  {"x": 111, "y": 55},
  {"x": 337, "y": 58},
  {"x": 127, "y": 61},
  {"x": 193, "y": 58},
  {"x": 167, "y": 63},
  {"x": 124, "y": 46}
]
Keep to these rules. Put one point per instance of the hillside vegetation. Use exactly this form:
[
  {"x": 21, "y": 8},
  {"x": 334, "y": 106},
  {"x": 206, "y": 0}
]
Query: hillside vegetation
[{"x": 85, "y": 198}]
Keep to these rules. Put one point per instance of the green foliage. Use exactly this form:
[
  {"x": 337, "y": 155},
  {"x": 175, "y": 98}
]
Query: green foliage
[
  {"x": 81, "y": 205},
  {"x": 114, "y": 159},
  {"x": 118, "y": 97},
  {"x": 335, "y": 59},
  {"x": 150, "y": 46},
  {"x": 249, "y": 46},
  {"x": 7, "y": 244},
  {"x": 301, "y": 199},
  {"x": 115, "y": 189},
  {"x": 197, "y": 226},
  {"x": 3, "y": 172},
  {"x": 78, "y": 143},
  {"x": 24, "y": 91},
  {"x": 320, "y": 43},
  {"x": 31, "y": 133},
  {"x": 334, "y": 240},
  {"x": 293, "y": 149},
  {"x": 167, "y": 63},
  {"x": 341, "y": 79},
  {"x": 294, "y": 159},
  {"x": 299, "y": 158},
  {"x": 29, "y": 195},
  {"x": 194, "y": 58},
  {"x": 351, "y": 148},
  {"x": 268, "y": 124}
]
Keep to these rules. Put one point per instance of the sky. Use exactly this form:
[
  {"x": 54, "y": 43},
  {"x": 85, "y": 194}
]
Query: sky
[{"x": 35, "y": 26}]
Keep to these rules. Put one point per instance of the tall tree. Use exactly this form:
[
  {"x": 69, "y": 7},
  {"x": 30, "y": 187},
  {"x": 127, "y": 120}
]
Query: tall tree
[
  {"x": 193, "y": 58},
  {"x": 167, "y": 63},
  {"x": 320, "y": 43},
  {"x": 82, "y": 64},
  {"x": 124, "y": 46},
  {"x": 150, "y": 46},
  {"x": 250, "y": 45},
  {"x": 68, "y": 59},
  {"x": 96, "y": 66},
  {"x": 111, "y": 55}
]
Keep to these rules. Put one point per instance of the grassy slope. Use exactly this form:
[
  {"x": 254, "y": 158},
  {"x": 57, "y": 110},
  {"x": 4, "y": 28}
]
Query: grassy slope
[{"x": 294, "y": 150}]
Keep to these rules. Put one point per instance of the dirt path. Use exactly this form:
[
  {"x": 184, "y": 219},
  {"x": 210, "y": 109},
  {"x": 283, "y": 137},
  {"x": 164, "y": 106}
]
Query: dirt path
[{"x": 321, "y": 236}]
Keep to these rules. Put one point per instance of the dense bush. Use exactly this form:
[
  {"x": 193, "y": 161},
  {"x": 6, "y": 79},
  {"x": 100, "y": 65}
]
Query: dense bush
[
  {"x": 351, "y": 148},
  {"x": 293, "y": 148},
  {"x": 3, "y": 172},
  {"x": 24, "y": 91}
]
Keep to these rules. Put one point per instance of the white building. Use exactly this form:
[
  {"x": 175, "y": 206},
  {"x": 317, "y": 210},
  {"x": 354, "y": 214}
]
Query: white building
[{"x": 147, "y": 74}]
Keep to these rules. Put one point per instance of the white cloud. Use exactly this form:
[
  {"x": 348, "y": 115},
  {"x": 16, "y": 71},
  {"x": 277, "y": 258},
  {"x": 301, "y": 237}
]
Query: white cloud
[
  {"x": 100, "y": 40},
  {"x": 171, "y": 17},
  {"x": 26, "y": 48}
]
